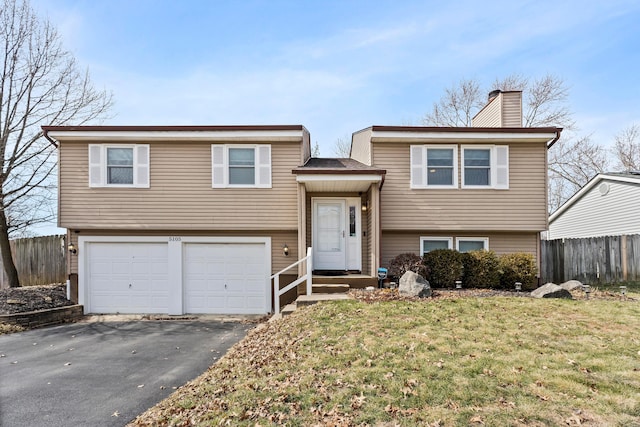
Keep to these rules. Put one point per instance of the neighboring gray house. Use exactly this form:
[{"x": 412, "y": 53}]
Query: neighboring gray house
[{"x": 608, "y": 205}]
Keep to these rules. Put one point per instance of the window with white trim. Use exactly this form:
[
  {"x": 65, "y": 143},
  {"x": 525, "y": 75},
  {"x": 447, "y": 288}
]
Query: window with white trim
[
  {"x": 428, "y": 244},
  {"x": 243, "y": 166},
  {"x": 485, "y": 166},
  {"x": 434, "y": 166},
  {"x": 119, "y": 165},
  {"x": 468, "y": 244}
]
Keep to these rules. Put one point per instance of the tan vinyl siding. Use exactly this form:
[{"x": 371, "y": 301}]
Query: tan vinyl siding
[
  {"x": 394, "y": 243},
  {"x": 361, "y": 147},
  {"x": 594, "y": 214},
  {"x": 520, "y": 208},
  {"x": 511, "y": 109},
  {"x": 490, "y": 116},
  {"x": 278, "y": 240},
  {"x": 180, "y": 196}
]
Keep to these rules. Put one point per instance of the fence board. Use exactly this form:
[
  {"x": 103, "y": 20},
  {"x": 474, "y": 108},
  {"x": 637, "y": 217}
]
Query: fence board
[
  {"x": 39, "y": 261},
  {"x": 591, "y": 260}
]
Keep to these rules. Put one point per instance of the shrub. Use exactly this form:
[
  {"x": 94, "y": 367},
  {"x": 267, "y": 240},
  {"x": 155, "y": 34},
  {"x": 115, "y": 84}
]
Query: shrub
[
  {"x": 518, "y": 267},
  {"x": 407, "y": 262},
  {"x": 481, "y": 269},
  {"x": 444, "y": 267}
]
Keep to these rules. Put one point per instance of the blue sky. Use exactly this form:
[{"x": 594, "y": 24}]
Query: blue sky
[{"x": 340, "y": 66}]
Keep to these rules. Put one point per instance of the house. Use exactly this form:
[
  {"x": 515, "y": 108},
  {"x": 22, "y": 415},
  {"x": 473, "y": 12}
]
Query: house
[
  {"x": 607, "y": 205},
  {"x": 196, "y": 219}
]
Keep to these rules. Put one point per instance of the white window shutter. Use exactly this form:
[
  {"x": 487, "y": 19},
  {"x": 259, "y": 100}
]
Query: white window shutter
[
  {"x": 501, "y": 154},
  {"x": 218, "y": 165},
  {"x": 417, "y": 166},
  {"x": 141, "y": 166},
  {"x": 96, "y": 165},
  {"x": 263, "y": 166}
]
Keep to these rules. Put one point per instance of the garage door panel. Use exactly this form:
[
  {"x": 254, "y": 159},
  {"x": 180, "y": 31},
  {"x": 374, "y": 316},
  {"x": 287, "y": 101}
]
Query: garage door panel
[
  {"x": 232, "y": 270},
  {"x": 128, "y": 277}
]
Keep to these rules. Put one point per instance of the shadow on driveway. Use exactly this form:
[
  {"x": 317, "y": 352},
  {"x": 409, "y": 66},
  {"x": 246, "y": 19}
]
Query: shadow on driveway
[{"x": 103, "y": 374}]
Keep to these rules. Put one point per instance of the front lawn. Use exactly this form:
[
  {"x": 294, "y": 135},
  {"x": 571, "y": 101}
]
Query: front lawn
[{"x": 450, "y": 361}]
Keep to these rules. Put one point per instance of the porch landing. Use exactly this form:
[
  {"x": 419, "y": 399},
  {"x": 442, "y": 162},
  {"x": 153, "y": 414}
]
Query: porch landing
[{"x": 353, "y": 280}]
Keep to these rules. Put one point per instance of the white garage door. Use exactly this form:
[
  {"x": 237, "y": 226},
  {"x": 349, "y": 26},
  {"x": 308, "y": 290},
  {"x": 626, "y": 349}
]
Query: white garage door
[
  {"x": 128, "y": 277},
  {"x": 225, "y": 278}
]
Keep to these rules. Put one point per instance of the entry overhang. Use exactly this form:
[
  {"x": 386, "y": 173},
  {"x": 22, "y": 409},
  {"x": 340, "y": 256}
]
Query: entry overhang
[{"x": 323, "y": 183}]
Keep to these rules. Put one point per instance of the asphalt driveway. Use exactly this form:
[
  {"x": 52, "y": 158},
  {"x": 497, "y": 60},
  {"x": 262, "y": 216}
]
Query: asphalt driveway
[{"x": 103, "y": 374}]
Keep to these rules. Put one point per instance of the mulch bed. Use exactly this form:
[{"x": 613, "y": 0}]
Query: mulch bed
[
  {"x": 377, "y": 295},
  {"x": 33, "y": 298}
]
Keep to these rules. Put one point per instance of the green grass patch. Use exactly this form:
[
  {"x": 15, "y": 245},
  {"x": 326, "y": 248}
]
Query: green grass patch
[{"x": 458, "y": 362}]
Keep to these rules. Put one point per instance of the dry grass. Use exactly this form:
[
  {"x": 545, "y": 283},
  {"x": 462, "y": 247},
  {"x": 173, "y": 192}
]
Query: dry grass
[
  {"x": 450, "y": 361},
  {"x": 7, "y": 328}
]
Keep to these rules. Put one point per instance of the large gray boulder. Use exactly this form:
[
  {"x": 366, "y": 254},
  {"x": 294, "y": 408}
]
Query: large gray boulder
[
  {"x": 414, "y": 285},
  {"x": 571, "y": 285},
  {"x": 551, "y": 290}
]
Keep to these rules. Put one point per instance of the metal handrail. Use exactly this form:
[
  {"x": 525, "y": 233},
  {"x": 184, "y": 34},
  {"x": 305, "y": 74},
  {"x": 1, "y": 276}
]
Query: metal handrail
[{"x": 277, "y": 292}]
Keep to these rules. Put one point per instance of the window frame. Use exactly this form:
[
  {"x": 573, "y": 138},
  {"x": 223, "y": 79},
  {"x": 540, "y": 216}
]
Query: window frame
[
  {"x": 230, "y": 166},
  {"x": 424, "y": 163},
  {"x": 449, "y": 241},
  {"x": 98, "y": 173},
  {"x": 484, "y": 240},
  {"x": 494, "y": 167},
  {"x": 220, "y": 166}
]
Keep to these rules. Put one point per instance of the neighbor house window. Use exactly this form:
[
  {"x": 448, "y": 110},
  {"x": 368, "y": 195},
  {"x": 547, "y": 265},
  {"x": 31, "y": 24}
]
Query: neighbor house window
[
  {"x": 247, "y": 166},
  {"x": 468, "y": 244},
  {"x": 119, "y": 165},
  {"x": 434, "y": 166},
  {"x": 428, "y": 244},
  {"x": 485, "y": 166}
]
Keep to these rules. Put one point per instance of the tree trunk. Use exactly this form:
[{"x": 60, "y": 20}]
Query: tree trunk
[{"x": 7, "y": 256}]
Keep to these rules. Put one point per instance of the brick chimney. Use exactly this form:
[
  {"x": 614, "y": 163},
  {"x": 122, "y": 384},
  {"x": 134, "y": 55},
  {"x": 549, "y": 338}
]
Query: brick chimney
[{"x": 503, "y": 110}]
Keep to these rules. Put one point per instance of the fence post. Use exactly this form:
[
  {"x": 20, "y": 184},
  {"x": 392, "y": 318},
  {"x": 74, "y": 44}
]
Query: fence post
[{"x": 276, "y": 294}]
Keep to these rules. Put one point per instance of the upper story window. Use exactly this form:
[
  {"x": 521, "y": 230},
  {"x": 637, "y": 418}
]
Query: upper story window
[
  {"x": 119, "y": 165},
  {"x": 434, "y": 166},
  {"x": 243, "y": 166},
  {"x": 485, "y": 166}
]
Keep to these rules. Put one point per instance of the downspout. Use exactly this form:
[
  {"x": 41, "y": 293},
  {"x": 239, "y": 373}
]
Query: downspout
[
  {"x": 554, "y": 140},
  {"x": 45, "y": 133}
]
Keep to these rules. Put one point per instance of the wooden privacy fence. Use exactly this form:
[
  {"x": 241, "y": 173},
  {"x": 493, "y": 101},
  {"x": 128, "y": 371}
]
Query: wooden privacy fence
[
  {"x": 39, "y": 260},
  {"x": 608, "y": 259}
]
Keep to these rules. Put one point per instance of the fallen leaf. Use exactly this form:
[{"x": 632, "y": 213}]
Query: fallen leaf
[
  {"x": 141, "y": 385},
  {"x": 477, "y": 420},
  {"x": 115, "y": 414}
]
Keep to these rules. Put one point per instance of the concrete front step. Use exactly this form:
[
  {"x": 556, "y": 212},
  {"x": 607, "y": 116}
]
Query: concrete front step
[
  {"x": 353, "y": 280},
  {"x": 330, "y": 288},
  {"x": 304, "y": 300}
]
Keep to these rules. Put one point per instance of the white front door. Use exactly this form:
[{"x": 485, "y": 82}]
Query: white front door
[{"x": 336, "y": 234}]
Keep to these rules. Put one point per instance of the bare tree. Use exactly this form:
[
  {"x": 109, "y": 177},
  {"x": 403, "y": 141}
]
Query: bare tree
[
  {"x": 572, "y": 163},
  {"x": 544, "y": 102},
  {"x": 40, "y": 83},
  {"x": 458, "y": 105},
  {"x": 342, "y": 147},
  {"x": 626, "y": 148}
]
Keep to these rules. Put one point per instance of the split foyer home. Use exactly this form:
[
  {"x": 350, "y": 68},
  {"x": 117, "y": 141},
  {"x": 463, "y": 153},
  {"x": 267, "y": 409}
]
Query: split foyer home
[{"x": 197, "y": 219}]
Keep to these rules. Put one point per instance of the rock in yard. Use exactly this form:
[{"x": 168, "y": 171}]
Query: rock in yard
[
  {"x": 551, "y": 290},
  {"x": 571, "y": 285},
  {"x": 414, "y": 285}
]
